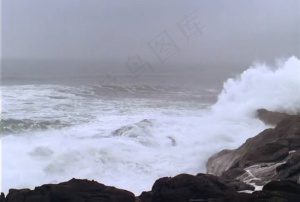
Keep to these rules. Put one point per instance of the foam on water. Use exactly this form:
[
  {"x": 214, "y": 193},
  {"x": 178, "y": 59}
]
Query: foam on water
[{"x": 118, "y": 147}]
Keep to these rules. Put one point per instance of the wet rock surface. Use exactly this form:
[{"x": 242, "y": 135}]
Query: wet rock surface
[{"x": 274, "y": 154}]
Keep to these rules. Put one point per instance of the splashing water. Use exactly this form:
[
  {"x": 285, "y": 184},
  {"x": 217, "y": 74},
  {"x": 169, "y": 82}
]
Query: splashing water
[{"x": 129, "y": 143}]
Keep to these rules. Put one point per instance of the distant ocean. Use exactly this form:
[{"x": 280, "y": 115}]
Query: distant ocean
[{"x": 130, "y": 135}]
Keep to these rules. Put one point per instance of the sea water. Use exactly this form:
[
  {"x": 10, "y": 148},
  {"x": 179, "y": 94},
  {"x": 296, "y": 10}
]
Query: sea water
[{"x": 128, "y": 136}]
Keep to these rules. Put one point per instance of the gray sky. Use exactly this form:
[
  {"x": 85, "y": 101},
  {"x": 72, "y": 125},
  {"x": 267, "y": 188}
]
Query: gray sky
[{"x": 194, "y": 32}]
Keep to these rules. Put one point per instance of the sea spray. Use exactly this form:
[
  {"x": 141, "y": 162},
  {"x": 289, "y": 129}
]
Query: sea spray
[
  {"x": 180, "y": 138},
  {"x": 262, "y": 86}
]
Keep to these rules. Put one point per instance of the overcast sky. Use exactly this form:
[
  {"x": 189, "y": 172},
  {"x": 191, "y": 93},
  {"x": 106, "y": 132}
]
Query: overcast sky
[{"x": 196, "y": 32}]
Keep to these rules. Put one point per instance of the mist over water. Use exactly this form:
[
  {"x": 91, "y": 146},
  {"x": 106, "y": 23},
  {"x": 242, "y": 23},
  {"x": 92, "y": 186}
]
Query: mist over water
[
  {"x": 184, "y": 43},
  {"x": 80, "y": 73}
]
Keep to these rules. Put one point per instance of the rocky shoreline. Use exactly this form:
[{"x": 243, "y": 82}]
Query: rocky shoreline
[{"x": 270, "y": 160}]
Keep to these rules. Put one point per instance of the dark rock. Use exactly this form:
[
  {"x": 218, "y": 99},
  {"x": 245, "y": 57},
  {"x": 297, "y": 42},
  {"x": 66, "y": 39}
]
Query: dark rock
[
  {"x": 274, "y": 196},
  {"x": 270, "y": 152},
  {"x": 72, "y": 191},
  {"x": 262, "y": 154},
  {"x": 17, "y": 195},
  {"x": 234, "y": 184},
  {"x": 233, "y": 173},
  {"x": 278, "y": 191},
  {"x": 145, "y": 197},
  {"x": 185, "y": 188},
  {"x": 291, "y": 169},
  {"x": 2, "y": 197},
  {"x": 294, "y": 143},
  {"x": 240, "y": 186},
  {"x": 283, "y": 186},
  {"x": 271, "y": 118},
  {"x": 220, "y": 162}
]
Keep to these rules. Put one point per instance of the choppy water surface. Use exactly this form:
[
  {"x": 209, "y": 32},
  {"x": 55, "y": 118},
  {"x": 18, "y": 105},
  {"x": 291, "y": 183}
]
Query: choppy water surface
[{"x": 128, "y": 136}]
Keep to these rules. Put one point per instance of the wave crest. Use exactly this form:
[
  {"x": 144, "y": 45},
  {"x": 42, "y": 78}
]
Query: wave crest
[{"x": 262, "y": 87}]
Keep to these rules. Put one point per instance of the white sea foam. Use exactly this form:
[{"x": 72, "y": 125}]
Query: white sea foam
[
  {"x": 180, "y": 138},
  {"x": 262, "y": 87}
]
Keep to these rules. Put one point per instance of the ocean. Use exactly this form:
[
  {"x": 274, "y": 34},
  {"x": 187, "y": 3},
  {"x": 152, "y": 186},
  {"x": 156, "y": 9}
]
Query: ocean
[{"x": 128, "y": 136}]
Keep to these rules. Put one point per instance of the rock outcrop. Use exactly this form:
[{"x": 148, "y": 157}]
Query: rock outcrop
[
  {"x": 185, "y": 188},
  {"x": 205, "y": 187},
  {"x": 74, "y": 190},
  {"x": 273, "y": 154},
  {"x": 181, "y": 188},
  {"x": 271, "y": 118},
  {"x": 286, "y": 191}
]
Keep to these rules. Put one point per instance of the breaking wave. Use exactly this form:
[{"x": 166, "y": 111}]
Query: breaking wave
[
  {"x": 129, "y": 143},
  {"x": 261, "y": 86}
]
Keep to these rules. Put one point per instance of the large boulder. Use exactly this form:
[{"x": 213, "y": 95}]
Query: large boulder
[
  {"x": 290, "y": 169},
  {"x": 185, "y": 188},
  {"x": 285, "y": 191},
  {"x": 271, "y": 155},
  {"x": 286, "y": 186},
  {"x": 74, "y": 190}
]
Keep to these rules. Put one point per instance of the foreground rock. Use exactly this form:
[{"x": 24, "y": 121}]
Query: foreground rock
[
  {"x": 204, "y": 187},
  {"x": 72, "y": 191},
  {"x": 181, "y": 188},
  {"x": 286, "y": 191},
  {"x": 274, "y": 154},
  {"x": 185, "y": 188}
]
